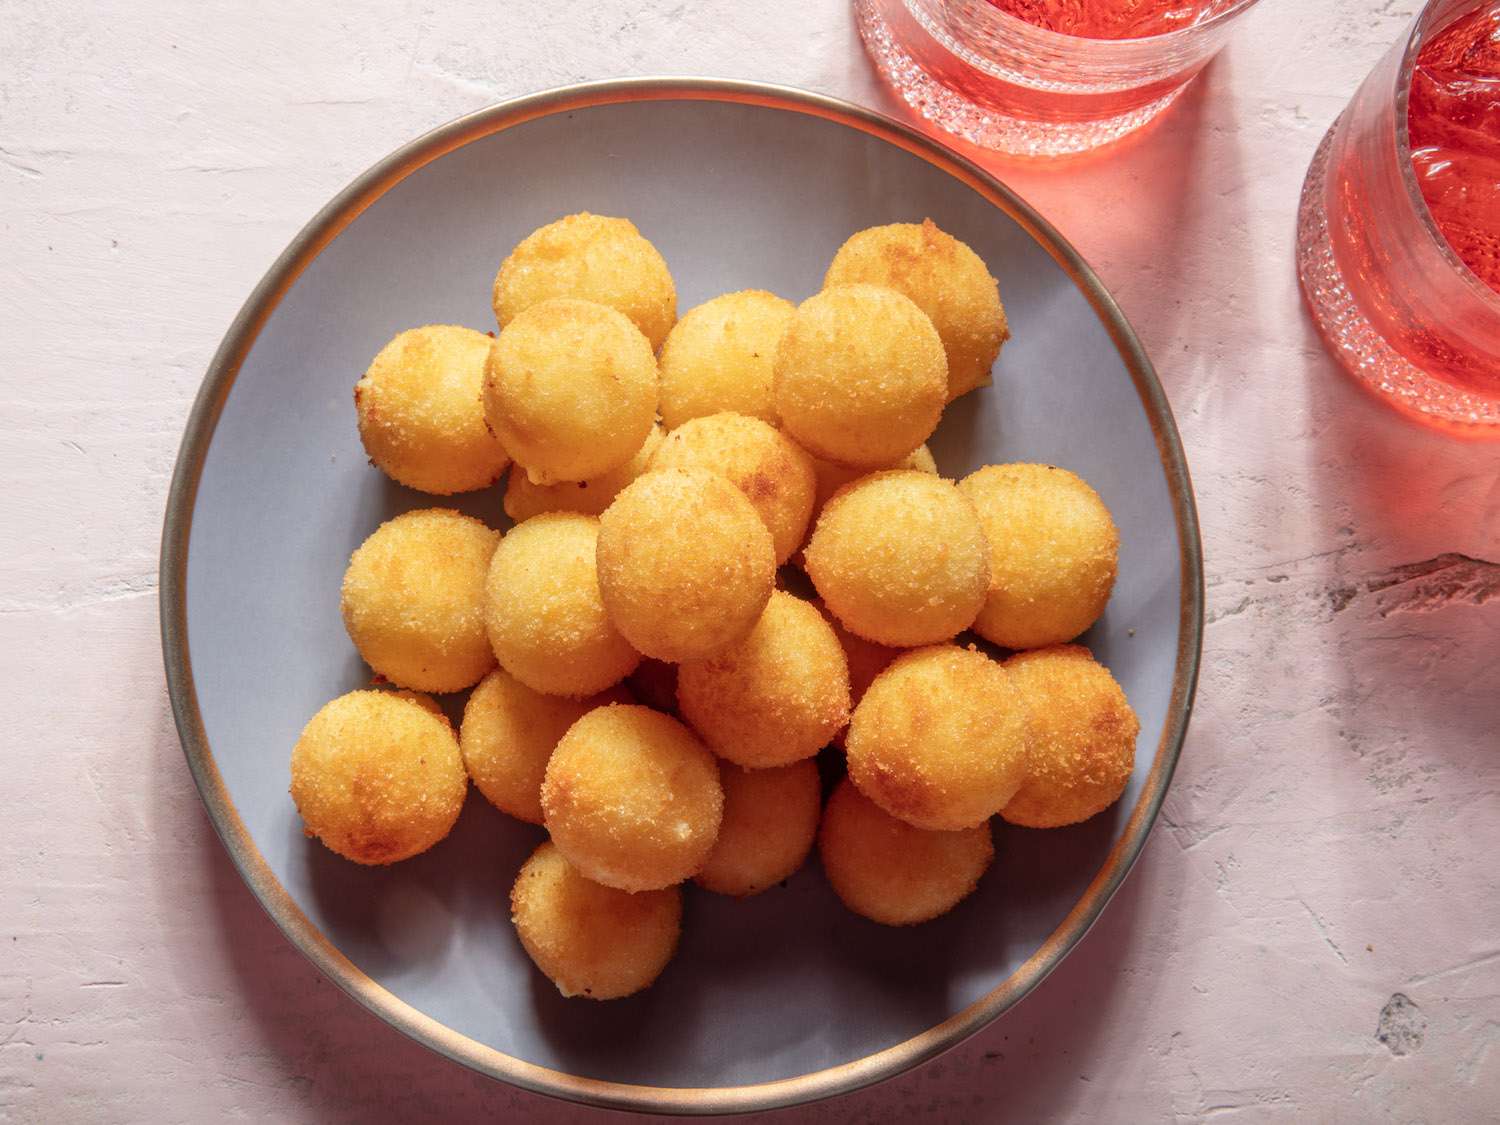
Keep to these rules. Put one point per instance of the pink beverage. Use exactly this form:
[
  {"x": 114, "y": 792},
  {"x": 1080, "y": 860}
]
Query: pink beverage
[
  {"x": 1042, "y": 77},
  {"x": 1453, "y": 119},
  {"x": 1109, "y": 19},
  {"x": 1399, "y": 224}
]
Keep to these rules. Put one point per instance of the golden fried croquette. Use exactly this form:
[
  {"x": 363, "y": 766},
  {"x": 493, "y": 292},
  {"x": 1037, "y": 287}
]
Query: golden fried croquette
[
  {"x": 654, "y": 683},
  {"x": 509, "y": 732},
  {"x": 900, "y": 559},
  {"x": 420, "y": 413},
  {"x": 1083, "y": 734},
  {"x": 593, "y": 258},
  {"x": 832, "y": 476},
  {"x": 570, "y": 390},
  {"x": 940, "y": 738},
  {"x": 892, "y": 872},
  {"x": 770, "y": 820},
  {"x": 866, "y": 660},
  {"x": 632, "y": 798},
  {"x": 524, "y": 499},
  {"x": 543, "y": 611},
  {"x": 685, "y": 564},
  {"x": 948, "y": 282},
  {"x": 776, "y": 696},
  {"x": 1053, "y": 553},
  {"x": 861, "y": 378},
  {"x": 377, "y": 776},
  {"x": 413, "y": 600},
  {"x": 591, "y": 940},
  {"x": 718, "y": 357},
  {"x": 773, "y": 472}
]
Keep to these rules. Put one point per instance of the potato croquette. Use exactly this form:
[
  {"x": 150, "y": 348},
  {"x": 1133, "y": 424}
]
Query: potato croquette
[
  {"x": 831, "y": 477},
  {"x": 940, "y": 738},
  {"x": 685, "y": 564},
  {"x": 421, "y": 417},
  {"x": 779, "y": 695},
  {"x": 377, "y": 776},
  {"x": 1053, "y": 553},
  {"x": 866, "y": 660},
  {"x": 593, "y": 258},
  {"x": 524, "y": 499},
  {"x": 900, "y": 559},
  {"x": 946, "y": 280},
  {"x": 773, "y": 472},
  {"x": 1083, "y": 735},
  {"x": 891, "y": 872},
  {"x": 570, "y": 390},
  {"x": 590, "y": 940},
  {"x": 413, "y": 600},
  {"x": 718, "y": 358},
  {"x": 770, "y": 820},
  {"x": 508, "y": 734},
  {"x": 543, "y": 612},
  {"x": 861, "y": 378},
  {"x": 632, "y": 798}
]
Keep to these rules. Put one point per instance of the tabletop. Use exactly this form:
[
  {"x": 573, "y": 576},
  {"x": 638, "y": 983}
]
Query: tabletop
[{"x": 1312, "y": 931}]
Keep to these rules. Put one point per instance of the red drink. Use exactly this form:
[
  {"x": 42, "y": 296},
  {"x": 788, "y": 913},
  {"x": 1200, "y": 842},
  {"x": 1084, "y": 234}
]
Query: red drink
[
  {"x": 1109, "y": 19},
  {"x": 1042, "y": 77},
  {"x": 1400, "y": 219},
  {"x": 1454, "y": 124}
]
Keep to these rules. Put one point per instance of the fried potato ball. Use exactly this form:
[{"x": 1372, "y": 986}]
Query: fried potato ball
[
  {"x": 832, "y": 476},
  {"x": 718, "y": 357},
  {"x": 524, "y": 499},
  {"x": 413, "y": 600},
  {"x": 866, "y": 660},
  {"x": 861, "y": 377},
  {"x": 543, "y": 611},
  {"x": 591, "y": 940},
  {"x": 685, "y": 564},
  {"x": 891, "y": 872},
  {"x": 593, "y": 258},
  {"x": 632, "y": 798},
  {"x": 509, "y": 732},
  {"x": 773, "y": 472},
  {"x": 777, "y": 696},
  {"x": 570, "y": 390},
  {"x": 377, "y": 776},
  {"x": 770, "y": 820},
  {"x": 900, "y": 559},
  {"x": 654, "y": 683},
  {"x": 940, "y": 738},
  {"x": 420, "y": 413},
  {"x": 946, "y": 280},
  {"x": 1083, "y": 734},
  {"x": 1053, "y": 553}
]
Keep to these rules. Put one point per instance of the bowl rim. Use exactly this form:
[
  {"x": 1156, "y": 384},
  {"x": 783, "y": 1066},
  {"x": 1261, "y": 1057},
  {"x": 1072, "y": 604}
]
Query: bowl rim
[{"x": 299, "y": 929}]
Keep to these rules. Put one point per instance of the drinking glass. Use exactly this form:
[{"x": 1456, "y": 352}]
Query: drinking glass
[
  {"x": 1002, "y": 83},
  {"x": 1394, "y": 302}
]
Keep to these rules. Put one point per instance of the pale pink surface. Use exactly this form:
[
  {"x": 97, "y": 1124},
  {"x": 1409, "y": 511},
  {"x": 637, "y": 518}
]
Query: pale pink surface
[{"x": 1330, "y": 839}]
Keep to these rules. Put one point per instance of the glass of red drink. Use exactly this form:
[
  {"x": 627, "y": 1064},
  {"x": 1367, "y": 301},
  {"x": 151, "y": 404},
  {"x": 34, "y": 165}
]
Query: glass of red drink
[
  {"x": 1042, "y": 77},
  {"x": 1398, "y": 233}
]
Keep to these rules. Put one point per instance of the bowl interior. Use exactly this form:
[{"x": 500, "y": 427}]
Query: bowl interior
[{"x": 735, "y": 196}]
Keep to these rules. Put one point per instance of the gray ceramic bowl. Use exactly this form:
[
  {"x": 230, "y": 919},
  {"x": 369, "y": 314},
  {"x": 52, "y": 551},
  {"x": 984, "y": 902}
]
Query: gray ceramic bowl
[{"x": 782, "y": 998}]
